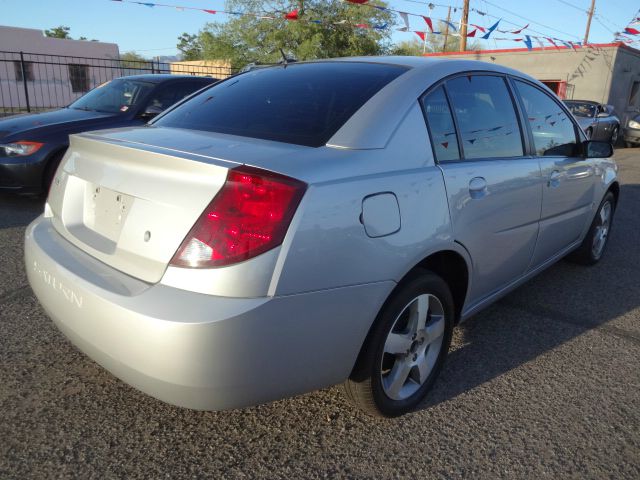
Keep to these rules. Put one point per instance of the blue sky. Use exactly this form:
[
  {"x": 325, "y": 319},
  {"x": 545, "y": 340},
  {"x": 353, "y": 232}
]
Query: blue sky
[{"x": 153, "y": 31}]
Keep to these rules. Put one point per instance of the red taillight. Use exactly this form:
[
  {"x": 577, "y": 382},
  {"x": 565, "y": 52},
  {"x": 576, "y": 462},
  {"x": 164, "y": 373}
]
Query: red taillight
[{"x": 248, "y": 216}]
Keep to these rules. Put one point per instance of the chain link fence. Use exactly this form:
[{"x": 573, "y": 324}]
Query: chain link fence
[{"x": 34, "y": 82}]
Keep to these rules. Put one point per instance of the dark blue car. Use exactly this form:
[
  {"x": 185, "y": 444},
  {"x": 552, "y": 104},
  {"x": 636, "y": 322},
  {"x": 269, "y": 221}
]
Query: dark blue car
[{"x": 31, "y": 146}]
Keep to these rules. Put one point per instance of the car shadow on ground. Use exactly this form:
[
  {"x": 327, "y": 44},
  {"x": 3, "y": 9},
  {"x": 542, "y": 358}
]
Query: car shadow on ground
[
  {"x": 555, "y": 307},
  {"x": 19, "y": 210}
]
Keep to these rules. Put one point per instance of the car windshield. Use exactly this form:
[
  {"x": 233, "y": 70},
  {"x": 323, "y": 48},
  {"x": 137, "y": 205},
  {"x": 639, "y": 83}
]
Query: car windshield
[
  {"x": 301, "y": 103},
  {"x": 582, "y": 109},
  {"x": 115, "y": 96}
]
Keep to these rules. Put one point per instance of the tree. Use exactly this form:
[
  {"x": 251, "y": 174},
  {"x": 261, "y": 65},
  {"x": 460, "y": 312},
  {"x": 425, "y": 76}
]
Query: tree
[
  {"x": 133, "y": 60},
  {"x": 190, "y": 47},
  {"x": 63, "y": 32},
  {"x": 58, "y": 32},
  {"x": 408, "y": 47},
  {"x": 324, "y": 29}
]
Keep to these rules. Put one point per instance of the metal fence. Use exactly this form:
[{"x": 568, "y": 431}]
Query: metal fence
[{"x": 33, "y": 82}]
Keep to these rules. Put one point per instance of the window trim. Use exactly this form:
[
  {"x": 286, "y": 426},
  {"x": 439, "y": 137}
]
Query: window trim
[
  {"x": 524, "y": 140},
  {"x": 453, "y": 119},
  {"x": 577, "y": 131}
]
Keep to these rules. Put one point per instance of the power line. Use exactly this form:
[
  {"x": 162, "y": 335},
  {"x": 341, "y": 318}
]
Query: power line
[{"x": 530, "y": 21}]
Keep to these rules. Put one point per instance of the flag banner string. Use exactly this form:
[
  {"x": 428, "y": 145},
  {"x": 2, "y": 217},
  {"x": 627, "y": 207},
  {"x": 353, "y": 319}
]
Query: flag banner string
[{"x": 479, "y": 32}]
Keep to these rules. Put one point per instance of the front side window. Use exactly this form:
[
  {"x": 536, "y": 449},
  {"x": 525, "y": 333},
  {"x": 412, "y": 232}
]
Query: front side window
[
  {"x": 553, "y": 131},
  {"x": 441, "y": 127},
  {"x": 486, "y": 117}
]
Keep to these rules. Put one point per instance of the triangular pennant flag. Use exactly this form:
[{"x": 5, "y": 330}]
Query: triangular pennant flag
[
  {"x": 478, "y": 27},
  {"x": 455, "y": 29},
  {"x": 527, "y": 42},
  {"x": 445, "y": 144},
  {"x": 421, "y": 35},
  {"x": 632, "y": 31},
  {"x": 552, "y": 42},
  {"x": 292, "y": 15},
  {"x": 405, "y": 19},
  {"x": 381, "y": 26},
  {"x": 213, "y": 12},
  {"x": 428, "y": 22},
  {"x": 362, "y": 25},
  {"x": 491, "y": 29},
  {"x": 359, "y": 2},
  {"x": 520, "y": 29},
  {"x": 472, "y": 34}
]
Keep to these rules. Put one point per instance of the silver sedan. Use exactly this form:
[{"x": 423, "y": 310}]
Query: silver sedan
[
  {"x": 304, "y": 225},
  {"x": 598, "y": 120}
]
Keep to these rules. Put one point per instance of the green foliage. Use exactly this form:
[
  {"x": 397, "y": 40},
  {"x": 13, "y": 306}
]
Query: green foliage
[
  {"x": 408, "y": 47},
  {"x": 58, "y": 32},
  {"x": 133, "y": 60},
  {"x": 190, "y": 46},
  {"x": 63, "y": 32},
  {"x": 246, "y": 39}
]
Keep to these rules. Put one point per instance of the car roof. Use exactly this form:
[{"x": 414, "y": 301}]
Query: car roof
[
  {"x": 374, "y": 123},
  {"x": 162, "y": 77}
]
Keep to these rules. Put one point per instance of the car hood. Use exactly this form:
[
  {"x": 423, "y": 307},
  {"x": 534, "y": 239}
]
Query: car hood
[{"x": 49, "y": 122}]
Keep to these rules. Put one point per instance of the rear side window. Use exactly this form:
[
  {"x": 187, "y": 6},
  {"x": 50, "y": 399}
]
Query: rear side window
[
  {"x": 303, "y": 104},
  {"x": 486, "y": 117},
  {"x": 441, "y": 127},
  {"x": 553, "y": 131}
]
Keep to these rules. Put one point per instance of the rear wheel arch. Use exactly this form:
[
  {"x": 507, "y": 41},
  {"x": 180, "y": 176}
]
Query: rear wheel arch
[
  {"x": 453, "y": 268},
  {"x": 449, "y": 265}
]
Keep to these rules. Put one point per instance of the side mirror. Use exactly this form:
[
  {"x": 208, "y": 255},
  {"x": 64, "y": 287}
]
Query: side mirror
[
  {"x": 594, "y": 149},
  {"x": 603, "y": 115},
  {"x": 150, "y": 112}
]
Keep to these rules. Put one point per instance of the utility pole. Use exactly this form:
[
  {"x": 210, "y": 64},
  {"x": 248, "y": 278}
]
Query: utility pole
[
  {"x": 463, "y": 26},
  {"x": 446, "y": 31},
  {"x": 590, "y": 15}
]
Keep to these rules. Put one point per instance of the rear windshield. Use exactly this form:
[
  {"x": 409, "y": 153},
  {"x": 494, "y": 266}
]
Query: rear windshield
[{"x": 304, "y": 104}]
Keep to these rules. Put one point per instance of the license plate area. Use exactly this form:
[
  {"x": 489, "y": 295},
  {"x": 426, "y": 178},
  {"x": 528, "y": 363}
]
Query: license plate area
[{"x": 105, "y": 210}]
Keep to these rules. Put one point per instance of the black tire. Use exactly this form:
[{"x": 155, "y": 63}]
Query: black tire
[
  {"x": 614, "y": 135},
  {"x": 50, "y": 171},
  {"x": 366, "y": 385},
  {"x": 587, "y": 253},
  {"x": 629, "y": 144}
]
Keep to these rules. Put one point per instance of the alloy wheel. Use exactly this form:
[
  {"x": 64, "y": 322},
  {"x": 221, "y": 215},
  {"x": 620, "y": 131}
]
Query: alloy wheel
[
  {"x": 412, "y": 347},
  {"x": 602, "y": 230}
]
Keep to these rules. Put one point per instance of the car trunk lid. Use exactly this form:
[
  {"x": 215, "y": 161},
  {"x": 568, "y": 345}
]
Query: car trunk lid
[{"x": 130, "y": 205}]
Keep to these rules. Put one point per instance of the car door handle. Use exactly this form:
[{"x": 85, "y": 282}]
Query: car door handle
[
  {"x": 477, "y": 187},
  {"x": 554, "y": 179}
]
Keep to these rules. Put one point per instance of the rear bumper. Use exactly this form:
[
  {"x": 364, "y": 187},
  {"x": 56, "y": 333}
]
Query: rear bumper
[{"x": 194, "y": 350}]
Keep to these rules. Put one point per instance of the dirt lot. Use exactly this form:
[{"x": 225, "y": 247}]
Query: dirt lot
[{"x": 544, "y": 384}]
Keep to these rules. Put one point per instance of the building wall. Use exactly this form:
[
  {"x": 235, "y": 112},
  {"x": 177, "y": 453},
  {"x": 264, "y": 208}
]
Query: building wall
[
  {"x": 626, "y": 71},
  {"x": 49, "y": 77}
]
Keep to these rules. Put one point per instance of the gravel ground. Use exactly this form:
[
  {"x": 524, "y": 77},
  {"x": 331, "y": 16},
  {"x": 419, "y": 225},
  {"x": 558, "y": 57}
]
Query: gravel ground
[{"x": 544, "y": 384}]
